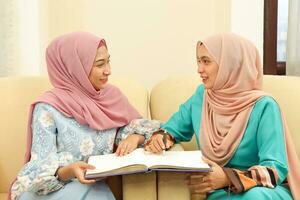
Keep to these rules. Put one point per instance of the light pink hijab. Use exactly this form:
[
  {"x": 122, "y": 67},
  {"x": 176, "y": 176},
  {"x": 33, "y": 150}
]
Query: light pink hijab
[{"x": 227, "y": 106}]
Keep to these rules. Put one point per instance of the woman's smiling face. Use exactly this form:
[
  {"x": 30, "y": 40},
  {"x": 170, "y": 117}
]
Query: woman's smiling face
[
  {"x": 207, "y": 67},
  {"x": 100, "y": 69}
]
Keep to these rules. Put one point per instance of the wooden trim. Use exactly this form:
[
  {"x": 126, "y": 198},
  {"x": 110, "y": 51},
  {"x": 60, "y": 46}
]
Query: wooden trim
[
  {"x": 281, "y": 68},
  {"x": 270, "y": 37}
]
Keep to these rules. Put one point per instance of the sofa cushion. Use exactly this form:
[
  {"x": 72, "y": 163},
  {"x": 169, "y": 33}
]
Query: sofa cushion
[{"x": 17, "y": 93}]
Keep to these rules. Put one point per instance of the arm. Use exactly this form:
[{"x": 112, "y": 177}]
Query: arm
[
  {"x": 180, "y": 126},
  {"x": 272, "y": 167},
  {"x": 38, "y": 175},
  {"x": 135, "y": 134}
]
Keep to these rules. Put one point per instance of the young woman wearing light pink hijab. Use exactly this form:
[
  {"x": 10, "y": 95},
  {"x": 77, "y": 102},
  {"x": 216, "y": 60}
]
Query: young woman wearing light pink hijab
[
  {"x": 239, "y": 128},
  {"x": 82, "y": 115}
]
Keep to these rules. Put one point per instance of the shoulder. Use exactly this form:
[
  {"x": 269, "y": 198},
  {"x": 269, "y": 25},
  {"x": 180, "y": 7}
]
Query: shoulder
[
  {"x": 198, "y": 94},
  {"x": 266, "y": 101},
  {"x": 266, "y": 105},
  {"x": 200, "y": 89},
  {"x": 42, "y": 107}
]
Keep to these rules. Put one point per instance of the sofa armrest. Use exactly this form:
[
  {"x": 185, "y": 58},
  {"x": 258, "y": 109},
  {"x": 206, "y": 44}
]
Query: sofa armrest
[{"x": 139, "y": 186}]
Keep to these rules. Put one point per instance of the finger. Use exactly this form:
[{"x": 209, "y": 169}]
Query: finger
[
  {"x": 147, "y": 148},
  {"x": 169, "y": 144},
  {"x": 123, "y": 149},
  {"x": 153, "y": 149},
  {"x": 85, "y": 166},
  {"x": 85, "y": 181},
  {"x": 160, "y": 142},
  {"x": 200, "y": 188},
  {"x": 203, "y": 190},
  {"x": 127, "y": 150},
  {"x": 199, "y": 173},
  {"x": 194, "y": 181},
  {"x": 82, "y": 180},
  {"x": 158, "y": 146},
  {"x": 131, "y": 148},
  {"x": 79, "y": 174},
  {"x": 120, "y": 146},
  {"x": 118, "y": 151}
]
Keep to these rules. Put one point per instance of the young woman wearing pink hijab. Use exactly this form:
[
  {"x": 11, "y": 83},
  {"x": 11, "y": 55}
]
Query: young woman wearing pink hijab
[
  {"x": 81, "y": 116},
  {"x": 238, "y": 127}
]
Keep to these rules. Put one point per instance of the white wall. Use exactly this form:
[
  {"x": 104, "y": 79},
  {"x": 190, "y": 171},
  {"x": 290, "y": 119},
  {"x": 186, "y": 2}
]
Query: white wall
[
  {"x": 147, "y": 40},
  {"x": 29, "y": 37},
  {"x": 247, "y": 19}
]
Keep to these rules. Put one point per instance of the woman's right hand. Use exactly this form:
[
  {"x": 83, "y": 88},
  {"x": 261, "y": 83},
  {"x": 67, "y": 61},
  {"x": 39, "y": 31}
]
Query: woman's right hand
[
  {"x": 75, "y": 170},
  {"x": 156, "y": 144}
]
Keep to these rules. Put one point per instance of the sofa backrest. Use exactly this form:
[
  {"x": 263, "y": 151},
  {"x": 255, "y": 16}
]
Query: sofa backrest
[
  {"x": 167, "y": 95},
  {"x": 17, "y": 93}
]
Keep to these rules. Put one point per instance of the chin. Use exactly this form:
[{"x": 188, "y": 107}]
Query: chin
[
  {"x": 208, "y": 86},
  {"x": 102, "y": 86}
]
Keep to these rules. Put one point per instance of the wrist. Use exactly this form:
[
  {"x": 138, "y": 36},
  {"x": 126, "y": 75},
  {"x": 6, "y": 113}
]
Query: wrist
[
  {"x": 141, "y": 139},
  {"x": 227, "y": 181},
  {"x": 162, "y": 132},
  {"x": 138, "y": 138},
  {"x": 64, "y": 173}
]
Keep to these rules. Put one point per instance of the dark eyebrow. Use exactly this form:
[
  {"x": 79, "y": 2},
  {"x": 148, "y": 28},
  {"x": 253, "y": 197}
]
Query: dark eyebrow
[
  {"x": 102, "y": 59},
  {"x": 203, "y": 57}
]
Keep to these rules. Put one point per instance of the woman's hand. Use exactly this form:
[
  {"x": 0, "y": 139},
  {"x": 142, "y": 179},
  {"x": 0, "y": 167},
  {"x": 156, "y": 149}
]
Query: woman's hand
[
  {"x": 129, "y": 144},
  {"x": 156, "y": 143},
  {"x": 207, "y": 182},
  {"x": 75, "y": 170}
]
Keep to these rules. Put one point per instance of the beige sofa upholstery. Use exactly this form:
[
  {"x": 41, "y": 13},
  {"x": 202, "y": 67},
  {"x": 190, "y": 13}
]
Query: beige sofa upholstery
[
  {"x": 167, "y": 95},
  {"x": 16, "y": 95}
]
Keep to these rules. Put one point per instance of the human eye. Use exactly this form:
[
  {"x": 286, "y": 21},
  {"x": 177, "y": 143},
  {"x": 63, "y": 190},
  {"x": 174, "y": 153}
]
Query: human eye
[
  {"x": 206, "y": 61},
  {"x": 100, "y": 64}
]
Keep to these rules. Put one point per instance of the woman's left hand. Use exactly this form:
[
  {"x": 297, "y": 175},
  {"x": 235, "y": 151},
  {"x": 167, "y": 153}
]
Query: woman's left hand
[
  {"x": 129, "y": 144},
  {"x": 207, "y": 182}
]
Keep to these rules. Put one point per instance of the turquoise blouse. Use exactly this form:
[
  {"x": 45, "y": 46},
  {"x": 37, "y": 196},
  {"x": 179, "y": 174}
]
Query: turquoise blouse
[{"x": 263, "y": 140}]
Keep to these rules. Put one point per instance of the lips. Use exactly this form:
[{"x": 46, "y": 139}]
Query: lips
[
  {"x": 204, "y": 78},
  {"x": 103, "y": 80}
]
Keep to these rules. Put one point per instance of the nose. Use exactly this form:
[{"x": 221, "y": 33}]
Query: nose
[
  {"x": 107, "y": 70},
  {"x": 200, "y": 68}
]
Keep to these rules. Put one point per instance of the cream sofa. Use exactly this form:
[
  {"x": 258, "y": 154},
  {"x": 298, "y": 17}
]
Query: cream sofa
[
  {"x": 18, "y": 92},
  {"x": 16, "y": 95},
  {"x": 167, "y": 95}
]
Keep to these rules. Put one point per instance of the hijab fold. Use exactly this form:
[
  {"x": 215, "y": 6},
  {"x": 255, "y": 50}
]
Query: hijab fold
[
  {"x": 228, "y": 105},
  {"x": 69, "y": 60}
]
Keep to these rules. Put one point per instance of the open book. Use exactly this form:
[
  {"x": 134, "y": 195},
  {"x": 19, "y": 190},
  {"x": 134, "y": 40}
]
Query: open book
[{"x": 143, "y": 161}]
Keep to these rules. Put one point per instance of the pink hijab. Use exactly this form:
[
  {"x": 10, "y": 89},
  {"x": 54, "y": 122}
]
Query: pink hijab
[
  {"x": 69, "y": 60},
  {"x": 228, "y": 105}
]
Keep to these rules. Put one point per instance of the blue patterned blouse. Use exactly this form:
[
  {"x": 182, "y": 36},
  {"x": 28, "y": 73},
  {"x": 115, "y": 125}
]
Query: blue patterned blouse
[{"x": 59, "y": 140}]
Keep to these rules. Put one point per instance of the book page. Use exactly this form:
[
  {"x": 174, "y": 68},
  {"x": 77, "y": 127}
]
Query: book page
[
  {"x": 109, "y": 162},
  {"x": 176, "y": 160}
]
